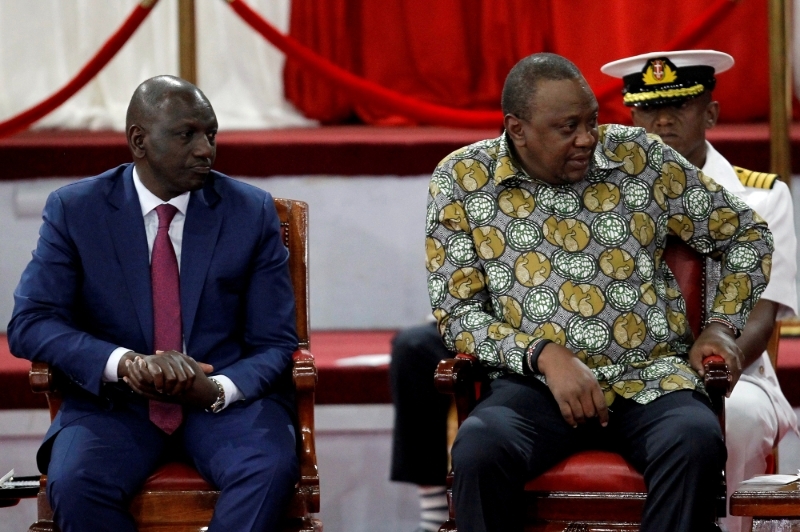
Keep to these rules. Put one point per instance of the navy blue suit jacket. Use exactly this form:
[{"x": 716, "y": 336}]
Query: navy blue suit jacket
[{"x": 87, "y": 288}]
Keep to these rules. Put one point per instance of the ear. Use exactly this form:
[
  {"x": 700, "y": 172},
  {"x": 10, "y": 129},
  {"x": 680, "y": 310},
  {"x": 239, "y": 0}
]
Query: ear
[
  {"x": 135, "y": 136},
  {"x": 711, "y": 114},
  {"x": 514, "y": 129}
]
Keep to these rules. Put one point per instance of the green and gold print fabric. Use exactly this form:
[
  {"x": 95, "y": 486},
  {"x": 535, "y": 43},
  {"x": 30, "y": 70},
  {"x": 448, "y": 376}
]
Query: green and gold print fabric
[{"x": 511, "y": 259}]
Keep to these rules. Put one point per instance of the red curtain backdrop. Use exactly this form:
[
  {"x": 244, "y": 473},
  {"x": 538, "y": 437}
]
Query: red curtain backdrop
[{"x": 458, "y": 52}]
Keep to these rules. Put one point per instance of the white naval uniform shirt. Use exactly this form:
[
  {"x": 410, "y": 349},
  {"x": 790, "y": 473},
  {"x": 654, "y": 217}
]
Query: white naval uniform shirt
[{"x": 775, "y": 206}]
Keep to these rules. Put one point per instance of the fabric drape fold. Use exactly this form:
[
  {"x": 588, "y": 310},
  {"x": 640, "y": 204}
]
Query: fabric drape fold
[{"x": 458, "y": 52}]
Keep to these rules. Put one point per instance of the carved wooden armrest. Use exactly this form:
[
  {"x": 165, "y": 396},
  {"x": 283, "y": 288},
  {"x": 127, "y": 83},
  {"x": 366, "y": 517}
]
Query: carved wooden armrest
[
  {"x": 717, "y": 380},
  {"x": 455, "y": 375},
  {"x": 41, "y": 377},
  {"x": 304, "y": 373},
  {"x": 459, "y": 377}
]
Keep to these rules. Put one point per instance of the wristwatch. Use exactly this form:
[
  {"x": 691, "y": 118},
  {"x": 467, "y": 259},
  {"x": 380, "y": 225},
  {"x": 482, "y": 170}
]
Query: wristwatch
[{"x": 219, "y": 404}]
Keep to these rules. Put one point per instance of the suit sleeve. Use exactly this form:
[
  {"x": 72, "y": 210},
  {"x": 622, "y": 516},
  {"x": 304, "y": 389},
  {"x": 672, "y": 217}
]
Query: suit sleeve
[
  {"x": 270, "y": 335},
  {"x": 42, "y": 326}
]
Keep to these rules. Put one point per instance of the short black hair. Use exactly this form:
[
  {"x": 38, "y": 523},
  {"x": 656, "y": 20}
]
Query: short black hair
[{"x": 522, "y": 81}]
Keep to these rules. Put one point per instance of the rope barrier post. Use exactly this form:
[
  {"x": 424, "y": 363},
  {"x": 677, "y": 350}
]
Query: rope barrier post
[
  {"x": 780, "y": 88},
  {"x": 187, "y": 41}
]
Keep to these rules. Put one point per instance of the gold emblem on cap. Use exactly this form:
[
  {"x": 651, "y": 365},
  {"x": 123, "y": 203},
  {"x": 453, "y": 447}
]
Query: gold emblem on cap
[{"x": 658, "y": 72}]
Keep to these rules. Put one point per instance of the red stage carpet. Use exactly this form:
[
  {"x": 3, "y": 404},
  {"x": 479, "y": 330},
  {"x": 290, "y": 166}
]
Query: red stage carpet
[{"x": 333, "y": 150}]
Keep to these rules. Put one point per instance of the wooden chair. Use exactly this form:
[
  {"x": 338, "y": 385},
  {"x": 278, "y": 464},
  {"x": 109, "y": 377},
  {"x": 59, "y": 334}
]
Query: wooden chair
[
  {"x": 592, "y": 490},
  {"x": 175, "y": 498}
]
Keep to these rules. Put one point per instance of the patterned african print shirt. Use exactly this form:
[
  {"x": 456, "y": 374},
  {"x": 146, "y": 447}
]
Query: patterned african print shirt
[{"x": 512, "y": 259}]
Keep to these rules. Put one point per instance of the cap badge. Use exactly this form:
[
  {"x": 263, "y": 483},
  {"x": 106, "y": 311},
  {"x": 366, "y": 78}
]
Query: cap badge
[{"x": 658, "y": 72}]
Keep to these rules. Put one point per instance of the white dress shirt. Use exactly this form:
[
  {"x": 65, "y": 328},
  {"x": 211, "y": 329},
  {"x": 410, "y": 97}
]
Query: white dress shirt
[{"x": 148, "y": 202}]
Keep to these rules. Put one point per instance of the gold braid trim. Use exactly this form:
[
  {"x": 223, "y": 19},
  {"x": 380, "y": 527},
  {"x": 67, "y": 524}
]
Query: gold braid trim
[
  {"x": 147, "y": 4},
  {"x": 749, "y": 178},
  {"x": 670, "y": 93}
]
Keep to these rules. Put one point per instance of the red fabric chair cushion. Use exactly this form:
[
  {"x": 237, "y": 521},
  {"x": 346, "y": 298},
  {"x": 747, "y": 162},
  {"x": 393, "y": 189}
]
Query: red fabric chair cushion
[
  {"x": 594, "y": 471},
  {"x": 176, "y": 476}
]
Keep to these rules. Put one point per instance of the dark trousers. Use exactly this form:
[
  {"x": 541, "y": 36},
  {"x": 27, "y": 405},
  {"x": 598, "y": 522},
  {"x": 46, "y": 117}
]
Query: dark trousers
[
  {"x": 100, "y": 461},
  {"x": 517, "y": 432},
  {"x": 419, "y": 451}
]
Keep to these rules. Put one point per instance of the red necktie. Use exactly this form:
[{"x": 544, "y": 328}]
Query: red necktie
[{"x": 167, "y": 329}]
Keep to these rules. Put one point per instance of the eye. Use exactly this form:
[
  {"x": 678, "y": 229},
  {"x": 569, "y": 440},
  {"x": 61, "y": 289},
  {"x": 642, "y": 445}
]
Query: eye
[
  {"x": 569, "y": 127},
  {"x": 212, "y": 136}
]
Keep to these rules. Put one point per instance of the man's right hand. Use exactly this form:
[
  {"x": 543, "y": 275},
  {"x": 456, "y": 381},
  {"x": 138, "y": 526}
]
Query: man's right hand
[
  {"x": 574, "y": 386},
  {"x": 167, "y": 373}
]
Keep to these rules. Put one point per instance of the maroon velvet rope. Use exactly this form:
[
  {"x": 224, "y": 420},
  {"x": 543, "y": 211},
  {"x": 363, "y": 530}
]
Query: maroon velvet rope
[{"x": 101, "y": 58}]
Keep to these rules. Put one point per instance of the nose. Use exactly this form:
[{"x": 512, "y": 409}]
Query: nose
[
  {"x": 664, "y": 116},
  {"x": 586, "y": 137},
  {"x": 204, "y": 147}
]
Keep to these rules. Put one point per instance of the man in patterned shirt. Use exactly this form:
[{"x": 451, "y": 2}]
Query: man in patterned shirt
[{"x": 544, "y": 251}]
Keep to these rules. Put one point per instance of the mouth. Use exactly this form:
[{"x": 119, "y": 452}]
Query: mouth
[
  {"x": 581, "y": 161},
  {"x": 201, "y": 169}
]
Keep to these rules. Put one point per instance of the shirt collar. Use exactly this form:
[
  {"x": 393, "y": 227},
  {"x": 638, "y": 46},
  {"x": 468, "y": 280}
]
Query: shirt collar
[
  {"x": 149, "y": 201},
  {"x": 720, "y": 170},
  {"x": 508, "y": 167}
]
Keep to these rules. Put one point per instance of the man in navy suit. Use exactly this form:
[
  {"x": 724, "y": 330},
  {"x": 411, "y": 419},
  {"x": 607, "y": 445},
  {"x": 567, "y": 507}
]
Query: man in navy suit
[{"x": 87, "y": 305}]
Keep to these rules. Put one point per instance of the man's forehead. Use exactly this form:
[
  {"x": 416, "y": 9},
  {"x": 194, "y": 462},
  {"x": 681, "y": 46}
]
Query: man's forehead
[
  {"x": 183, "y": 107},
  {"x": 563, "y": 96}
]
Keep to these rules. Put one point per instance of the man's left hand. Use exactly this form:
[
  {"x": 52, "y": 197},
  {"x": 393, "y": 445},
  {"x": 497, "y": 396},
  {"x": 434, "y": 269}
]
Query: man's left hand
[{"x": 717, "y": 339}]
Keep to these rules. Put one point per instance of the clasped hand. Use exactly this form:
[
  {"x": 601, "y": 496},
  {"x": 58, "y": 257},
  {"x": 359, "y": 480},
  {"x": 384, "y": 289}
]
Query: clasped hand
[{"x": 169, "y": 376}]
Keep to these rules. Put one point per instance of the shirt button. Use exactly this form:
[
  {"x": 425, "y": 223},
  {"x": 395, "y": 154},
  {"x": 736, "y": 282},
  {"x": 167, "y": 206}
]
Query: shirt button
[{"x": 761, "y": 369}]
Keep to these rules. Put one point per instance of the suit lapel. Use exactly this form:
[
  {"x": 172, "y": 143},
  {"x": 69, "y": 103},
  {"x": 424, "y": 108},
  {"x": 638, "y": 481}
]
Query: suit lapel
[
  {"x": 200, "y": 232},
  {"x": 126, "y": 226}
]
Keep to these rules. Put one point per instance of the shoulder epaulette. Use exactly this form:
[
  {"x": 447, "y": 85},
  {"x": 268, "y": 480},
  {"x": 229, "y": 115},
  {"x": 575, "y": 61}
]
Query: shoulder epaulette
[{"x": 749, "y": 178}]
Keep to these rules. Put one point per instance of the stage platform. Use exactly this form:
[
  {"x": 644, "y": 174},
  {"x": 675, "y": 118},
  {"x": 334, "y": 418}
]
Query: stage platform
[{"x": 323, "y": 151}]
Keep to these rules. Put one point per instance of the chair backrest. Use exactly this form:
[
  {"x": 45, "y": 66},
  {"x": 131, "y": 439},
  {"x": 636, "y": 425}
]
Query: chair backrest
[
  {"x": 689, "y": 269},
  {"x": 293, "y": 215}
]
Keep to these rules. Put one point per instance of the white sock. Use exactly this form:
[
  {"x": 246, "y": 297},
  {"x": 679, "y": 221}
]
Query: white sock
[{"x": 433, "y": 507}]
